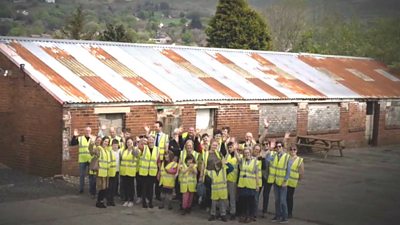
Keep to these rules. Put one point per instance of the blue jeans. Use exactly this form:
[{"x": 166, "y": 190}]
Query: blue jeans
[
  {"x": 83, "y": 170},
  {"x": 281, "y": 210}
]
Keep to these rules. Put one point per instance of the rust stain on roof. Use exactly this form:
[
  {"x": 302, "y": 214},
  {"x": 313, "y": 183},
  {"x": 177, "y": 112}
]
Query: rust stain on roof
[
  {"x": 254, "y": 80},
  {"x": 215, "y": 84},
  {"x": 52, "y": 75},
  {"x": 286, "y": 79},
  {"x": 128, "y": 74},
  {"x": 85, "y": 74},
  {"x": 379, "y": 85}
]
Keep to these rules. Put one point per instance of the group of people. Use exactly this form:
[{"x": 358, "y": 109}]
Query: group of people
[{"x": 215, "y": 173}]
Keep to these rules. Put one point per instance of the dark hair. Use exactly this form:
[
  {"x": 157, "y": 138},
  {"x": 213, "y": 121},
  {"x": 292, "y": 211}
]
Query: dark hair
[
  {"x": 115, "y": 141},
  {"x": 126, "y": 141},
  {"x": 159, "y": 123},
  {"x": 104, "y": 138},
  {"x": 217, "y": 132},
  {"x": 204, "y": 135},
  {"x": 227, "y": 128},
  {"x": 189, "y": 157},
  {"x": 278, "y": 142},
  {"x": 229, "y": 144},
  {"x": 170, "y": 158}
]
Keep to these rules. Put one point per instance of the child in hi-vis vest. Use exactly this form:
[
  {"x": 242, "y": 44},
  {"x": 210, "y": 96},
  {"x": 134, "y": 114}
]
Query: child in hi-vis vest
[
  {"x": 167, "y": 174},
  {"x": 188, "y": 182},
  {"x": 219, "y": 188}
]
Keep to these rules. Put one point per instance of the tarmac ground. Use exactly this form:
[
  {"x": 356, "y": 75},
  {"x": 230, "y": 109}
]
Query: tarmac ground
[{"x": 360, "y": 188}]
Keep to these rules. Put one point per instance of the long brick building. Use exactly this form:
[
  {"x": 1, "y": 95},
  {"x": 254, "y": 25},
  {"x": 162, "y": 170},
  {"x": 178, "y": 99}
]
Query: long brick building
[{"x": 50, "y": 87}]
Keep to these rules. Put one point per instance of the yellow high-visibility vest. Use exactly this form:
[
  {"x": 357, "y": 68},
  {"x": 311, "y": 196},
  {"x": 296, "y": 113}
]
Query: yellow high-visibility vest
[
  {"x": 184, "y": 153},
  {"x": 161, "y": 144},
  {"x": 112, "y": 168},
  {"x": 167, "y": 179},
  {"x": 294, "y": 173},
  {"x": 278, "y": 172},
  {"x": 118, "y": 138},
  {"x": 219, "y": 187},
  {"x": 232, "y": 176},
  {"x": 259, "y": 165},
  {"x": 83, "y": 153},
  {"x": 188, "y": 181},
  {"x": 205, "y": 157},
  {"x": 104, "y": 162},
  {"x": 271, "y": 169},
  {"x": 247, "y": 175},
  {"x": 148, "y": 162},
  {"x": 128, "y": 166}
]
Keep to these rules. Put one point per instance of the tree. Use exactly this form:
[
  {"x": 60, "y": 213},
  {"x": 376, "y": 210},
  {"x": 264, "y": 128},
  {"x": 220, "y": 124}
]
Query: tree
[
  {"x": 236, "y": 25},
  {"x": 115, "y": 33},
  {"x": 74, "y": 29},
  {"x": 287, "y": 21}
]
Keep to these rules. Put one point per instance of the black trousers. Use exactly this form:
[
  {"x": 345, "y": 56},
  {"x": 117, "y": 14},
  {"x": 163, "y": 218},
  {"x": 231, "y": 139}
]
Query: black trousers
[
  {"x": 147, "y": 188},
  {"x": 266, "y": 190},
  {"x": 128, "y": 187},
  {"x": 157, "y": 189},
  {"x": 289, "y": 199},
  {"x": 138, "y": 185},
  {"x": 112, "y": 185},
  {"x": 246, "y": 206}
]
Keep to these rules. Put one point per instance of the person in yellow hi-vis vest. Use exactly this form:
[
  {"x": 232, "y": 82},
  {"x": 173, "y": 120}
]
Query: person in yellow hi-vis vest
[
  {"x": 256, "y": 153},
  {"x": 112, "y": 172},
  {"x": 128, "y": 168},
  {"x": 93, "y": 173},
  {"x": 188, "y": 182},
  {"x": 148, "y": 170},
  {"x": 161, "y": 142},
  {"x": 296, "y": 174},
  {"x": 167, "y": 175},
  {"x": 248, "y": 185},
  {"x": 209, "y": 158},
  {"x": 102, "y": 155},
  {"x": 232, "y": 179},
  {"x": 84, "y": 156},
  {"x": 219, "y": 189},
  {"x": 279, "y": 172}
]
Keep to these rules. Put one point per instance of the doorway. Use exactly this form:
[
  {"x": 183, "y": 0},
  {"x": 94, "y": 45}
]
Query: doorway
[{"x": 372, "y": 123}]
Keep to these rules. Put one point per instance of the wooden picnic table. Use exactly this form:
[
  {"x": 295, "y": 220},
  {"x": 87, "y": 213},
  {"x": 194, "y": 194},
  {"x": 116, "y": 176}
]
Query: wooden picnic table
[{"x": 320, "y": 143}]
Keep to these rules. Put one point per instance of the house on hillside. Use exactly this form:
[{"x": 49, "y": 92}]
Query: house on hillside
[
  {"x": 56, "y": 86},
  {"x": 50, "y": 1}
]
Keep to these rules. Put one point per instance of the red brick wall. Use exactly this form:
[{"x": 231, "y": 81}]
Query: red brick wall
[
  {"x": 82, "y": 117},
  {"x": 239, "y": 118},
  {"x": 31, "y": 124}
]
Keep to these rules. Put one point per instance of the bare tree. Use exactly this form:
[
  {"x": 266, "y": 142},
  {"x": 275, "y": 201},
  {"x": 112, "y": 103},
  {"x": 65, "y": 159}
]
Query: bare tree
[{"x": 287, "y": 20}]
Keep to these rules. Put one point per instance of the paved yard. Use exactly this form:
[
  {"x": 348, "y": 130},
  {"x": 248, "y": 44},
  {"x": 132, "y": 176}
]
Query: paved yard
[{"x": 360, "y": 188}]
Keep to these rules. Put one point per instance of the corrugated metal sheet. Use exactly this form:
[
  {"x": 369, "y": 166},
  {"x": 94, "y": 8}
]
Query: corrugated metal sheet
[{"x": 90, "y": 72}]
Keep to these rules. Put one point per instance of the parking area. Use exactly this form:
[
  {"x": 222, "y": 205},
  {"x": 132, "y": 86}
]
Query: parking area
[{"x": 360, "y": 188}]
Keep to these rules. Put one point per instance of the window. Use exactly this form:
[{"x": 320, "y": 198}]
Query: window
[
  {"x": 205, "y": 120},
  {"x": 115, "y": 120},
  {"x": 360, "y": 74},
  {"x": 387, "y": 75}
]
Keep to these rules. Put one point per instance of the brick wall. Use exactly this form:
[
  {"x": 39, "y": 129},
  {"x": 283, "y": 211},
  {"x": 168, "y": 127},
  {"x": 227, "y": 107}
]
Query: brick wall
[{"x": 31, "y": 124}]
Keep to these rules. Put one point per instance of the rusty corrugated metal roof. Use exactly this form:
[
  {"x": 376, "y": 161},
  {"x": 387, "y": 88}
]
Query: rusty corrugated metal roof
[{"x": 91, "y": 72}]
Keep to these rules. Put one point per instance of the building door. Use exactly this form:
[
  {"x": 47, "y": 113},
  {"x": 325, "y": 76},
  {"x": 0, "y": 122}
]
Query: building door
[
  {"x": 372, "y": 123},
  {"x": 115, "y": 120}
]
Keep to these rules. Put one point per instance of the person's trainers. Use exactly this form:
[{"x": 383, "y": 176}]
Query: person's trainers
[
  {"x": 100, "y": 205},
  {"x": 130, "y": 204},
  {"x": 211, "y": 218},
  {"x": 284, "y": 221},
  {"x": 160, "y": 206},
  {"x": 233, "y": 217},
  {"x": 125, "y": 204},
  {"x": 275, "y": 219},
  {"x": 138, "y": 200},
  {"x": 223, "y": 218}
]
